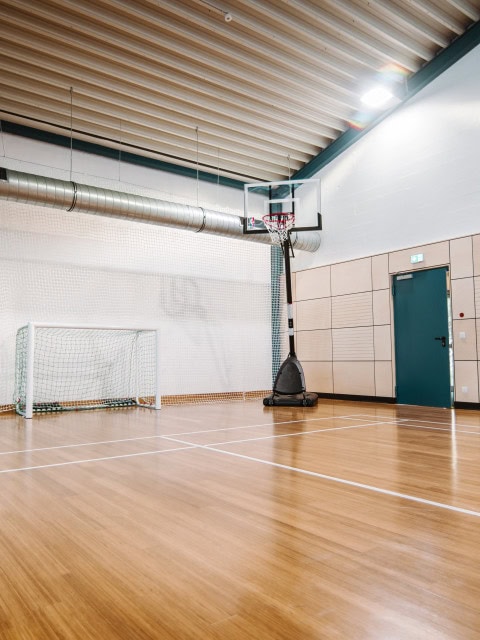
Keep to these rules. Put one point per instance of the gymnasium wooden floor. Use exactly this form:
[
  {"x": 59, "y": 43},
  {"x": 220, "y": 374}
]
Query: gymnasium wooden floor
[{"x": 233, "y": 521}]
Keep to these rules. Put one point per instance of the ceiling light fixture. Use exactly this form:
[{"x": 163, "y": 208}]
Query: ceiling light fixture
[{"x": 377, "y": 97}]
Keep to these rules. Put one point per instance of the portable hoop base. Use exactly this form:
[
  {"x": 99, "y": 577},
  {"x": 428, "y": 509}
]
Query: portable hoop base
[
  {"x": 299, "y": 400},
  {"x": 289, "y": 387}
]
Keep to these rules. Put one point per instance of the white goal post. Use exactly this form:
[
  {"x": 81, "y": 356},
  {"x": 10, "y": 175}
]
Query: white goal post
[{"x": 63, "y": 367}]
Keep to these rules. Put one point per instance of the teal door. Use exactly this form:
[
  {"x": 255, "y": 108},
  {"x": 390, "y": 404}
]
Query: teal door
[{"x": 422, "y": 338}]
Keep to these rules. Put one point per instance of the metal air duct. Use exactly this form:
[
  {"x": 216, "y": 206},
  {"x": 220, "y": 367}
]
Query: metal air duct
[{"x": 70, "y": 196}]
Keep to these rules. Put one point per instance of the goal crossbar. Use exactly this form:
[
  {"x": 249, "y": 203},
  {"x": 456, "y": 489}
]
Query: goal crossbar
[{"x": 30, "y": 361}]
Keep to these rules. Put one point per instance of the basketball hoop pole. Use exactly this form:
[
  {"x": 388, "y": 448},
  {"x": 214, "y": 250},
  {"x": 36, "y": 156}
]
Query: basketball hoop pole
[
  {"x": 289, "y": 388},
  {"x": 288, "y": 285}
]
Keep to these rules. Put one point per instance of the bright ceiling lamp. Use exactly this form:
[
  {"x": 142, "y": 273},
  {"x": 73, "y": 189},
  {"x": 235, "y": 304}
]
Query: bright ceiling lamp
[{"x": 377, "y": 97}]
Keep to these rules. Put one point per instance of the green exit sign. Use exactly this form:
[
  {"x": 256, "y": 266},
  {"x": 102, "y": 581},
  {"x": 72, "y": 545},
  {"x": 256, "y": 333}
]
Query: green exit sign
[{"x": 418, "y": 257}]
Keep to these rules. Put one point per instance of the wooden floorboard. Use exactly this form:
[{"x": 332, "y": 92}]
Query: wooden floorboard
[{"x": 234, "y": 521}]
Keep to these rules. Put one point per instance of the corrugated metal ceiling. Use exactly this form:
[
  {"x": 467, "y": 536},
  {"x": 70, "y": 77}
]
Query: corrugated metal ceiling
[{"x": 251, "y": 98}]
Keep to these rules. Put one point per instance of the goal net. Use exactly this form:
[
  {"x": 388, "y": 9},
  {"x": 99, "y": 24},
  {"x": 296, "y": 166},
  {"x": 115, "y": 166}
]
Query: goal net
[{"x": 66, "y": 367}]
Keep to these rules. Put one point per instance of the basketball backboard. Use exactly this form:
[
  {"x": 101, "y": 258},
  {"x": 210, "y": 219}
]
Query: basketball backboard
[{"x": 301, "y": 197}]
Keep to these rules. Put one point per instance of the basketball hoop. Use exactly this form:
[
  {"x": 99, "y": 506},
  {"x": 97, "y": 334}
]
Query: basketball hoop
[{"x": 279, "y": 226}]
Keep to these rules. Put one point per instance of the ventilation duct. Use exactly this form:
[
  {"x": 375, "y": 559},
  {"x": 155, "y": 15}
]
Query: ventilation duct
[{"x": 70, "y": 196}]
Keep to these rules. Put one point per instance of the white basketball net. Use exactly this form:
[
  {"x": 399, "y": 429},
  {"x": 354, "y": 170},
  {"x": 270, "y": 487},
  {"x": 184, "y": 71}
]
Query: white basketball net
[{"x": 279, "y": 226}]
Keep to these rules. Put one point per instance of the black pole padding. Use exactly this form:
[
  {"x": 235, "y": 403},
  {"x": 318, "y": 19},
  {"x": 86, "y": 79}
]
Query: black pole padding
[{"x": 288, "y": 283}]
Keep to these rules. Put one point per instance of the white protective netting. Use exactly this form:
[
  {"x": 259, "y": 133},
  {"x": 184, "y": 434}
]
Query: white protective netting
[{"x": 211, "y": 297}]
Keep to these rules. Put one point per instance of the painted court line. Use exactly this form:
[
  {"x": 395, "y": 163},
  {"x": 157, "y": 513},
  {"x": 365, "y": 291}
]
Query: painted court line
[
  {"x": 455, "y": 430},
  {"x": 314, "y": 474},
  {"x": 251, "y": 426},
  {"x": 350, "y": 483},
  {"x": 297, "y": 433},
  {"x": 187, "y": 433},
  {"x": 73, "y": 446},
  {"x": 448, "y": 425},
  {"x": 127, "y": 455}
]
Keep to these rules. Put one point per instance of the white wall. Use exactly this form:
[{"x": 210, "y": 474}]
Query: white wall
[
  {"x": 409, "y": 186},
  {"x": 414, "y": 179},
  {"x": 209, "y": 295}
]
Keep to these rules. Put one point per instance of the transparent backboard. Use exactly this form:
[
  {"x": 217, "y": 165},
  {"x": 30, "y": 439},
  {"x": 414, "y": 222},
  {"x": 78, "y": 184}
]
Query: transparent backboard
[{"x": 301, "y": 197}]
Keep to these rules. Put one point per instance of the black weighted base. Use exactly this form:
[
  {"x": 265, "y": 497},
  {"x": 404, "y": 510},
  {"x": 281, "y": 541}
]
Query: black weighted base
[{"x": 306, "y": 399}]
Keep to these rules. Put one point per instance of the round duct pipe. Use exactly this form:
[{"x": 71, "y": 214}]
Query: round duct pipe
[{"x": 70, "y": 196}]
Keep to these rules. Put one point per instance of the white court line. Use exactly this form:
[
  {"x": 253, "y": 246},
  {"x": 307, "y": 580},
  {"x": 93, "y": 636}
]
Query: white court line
[
  {"x": 297, "y": 433},
  {"x": 455, "y": 430},
  {"x": 252, "y": 426},
  {"x": 186, "y": 433},
  {"x": 350, "y": 483},
  {"x": 82, "y": 444},
  {"x": 127, "y": 455},
  {"x": 446, "y": 424}
]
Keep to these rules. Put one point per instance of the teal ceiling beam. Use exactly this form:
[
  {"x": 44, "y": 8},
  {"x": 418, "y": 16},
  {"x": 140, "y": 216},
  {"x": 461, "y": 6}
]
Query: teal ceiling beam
[{"x": 445, "y": 59}]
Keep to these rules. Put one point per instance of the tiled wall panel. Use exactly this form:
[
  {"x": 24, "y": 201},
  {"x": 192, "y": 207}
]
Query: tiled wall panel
[
  {"x": 313, "y": 283},
  {"x": 318, "y": 376},
  {"x": 352, "y": 324},
  {"x": 352, "y": 277},
  {"x": 314, "y": 314},
  {"x": 357, "y": 378},
  {"x": 383, "y": 379},
  {"x": 352, "y": 310},
  {"x": 465, "y": 339},
  {"x": 461, "y": 262},
  {"x": 380, "y": 276},
  {"x": 463, "y": 301},
  {"x": 466, "y": 381},
  {"x": 353, "y": 344},
  {"x": 382, "y": 344},
  {"x": 476, "y": 255},
  {"x": 381, "y": 306},
  {"x": 314, "y": 345}
]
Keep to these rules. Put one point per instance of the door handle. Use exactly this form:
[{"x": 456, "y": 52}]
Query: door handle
[{"x": 443, "y": 339}]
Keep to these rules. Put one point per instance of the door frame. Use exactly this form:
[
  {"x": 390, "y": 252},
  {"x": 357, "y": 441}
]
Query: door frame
[{"x": 451, "y": 357}]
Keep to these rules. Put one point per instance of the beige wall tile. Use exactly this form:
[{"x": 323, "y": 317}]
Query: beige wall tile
[
  {"x": 476, "y": 255},
  {"x": 382, "y": 343},
  {"x": 384, "y": 379},
  {"x": 313, "y": 283},
  {"x": 466, "y": 381},
  {"x": 353, "y": 310},
  {"x": 380, "y": 276},
  {"x": 356, "y": 378},
  {"x": 381, "y": 306},
  {"x": 476, "y": 286},
  {"x": 478, "y": 337},
  {"x": 314, "y": 314},
  {"x": 464, "y": 348},
  {"x": 318, "y": 376},
  {"x": 461, "y": 258},
  {"x": 463, "y": 298},
  {"x": 353, "y": 344},
  {"x": 314, "y": 345},
  {"x": 435, "y": 255},
  {"x": 352, "y": 277}
]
